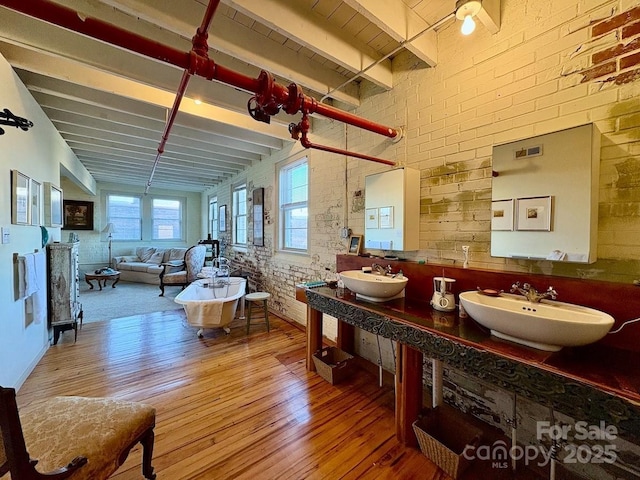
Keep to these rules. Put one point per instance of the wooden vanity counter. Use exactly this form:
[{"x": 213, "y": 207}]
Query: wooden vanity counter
[{"x": 592, "y": 383}]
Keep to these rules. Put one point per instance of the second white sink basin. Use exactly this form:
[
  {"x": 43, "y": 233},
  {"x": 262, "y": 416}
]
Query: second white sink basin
[
  {"x": 373, "y": 287},
  {"x": 547, "y": 325}
]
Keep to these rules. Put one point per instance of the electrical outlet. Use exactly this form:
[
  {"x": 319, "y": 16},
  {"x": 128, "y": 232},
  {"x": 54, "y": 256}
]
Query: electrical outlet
[
  {"x": 6, "y": 235},
  {"x": 345, "y": 232}
]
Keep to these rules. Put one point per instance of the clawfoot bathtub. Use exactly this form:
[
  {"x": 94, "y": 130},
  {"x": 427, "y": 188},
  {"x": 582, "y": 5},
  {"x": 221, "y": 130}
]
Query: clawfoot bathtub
[{"x": 208, "y": 307}]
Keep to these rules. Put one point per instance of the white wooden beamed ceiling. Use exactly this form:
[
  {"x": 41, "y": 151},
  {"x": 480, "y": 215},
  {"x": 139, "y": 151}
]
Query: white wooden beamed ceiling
[{"x": 111, "y": 105}]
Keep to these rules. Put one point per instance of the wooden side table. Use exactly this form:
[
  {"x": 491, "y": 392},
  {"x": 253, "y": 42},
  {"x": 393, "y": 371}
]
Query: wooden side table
[{"x": 102, "y": 278}]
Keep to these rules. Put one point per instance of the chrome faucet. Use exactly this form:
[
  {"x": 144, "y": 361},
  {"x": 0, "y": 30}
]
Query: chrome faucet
[
  {"x": 376, "y": 267},
  {"x": 532, "y": 294}
]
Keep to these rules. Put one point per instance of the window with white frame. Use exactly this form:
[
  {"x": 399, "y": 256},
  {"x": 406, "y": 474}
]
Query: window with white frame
[
  {"x": 293, "y": 185},
  {"x": 136, "y": 217},
  {"x": 213, "y": 217},
  {"x": 166, "y": 219},
  {"x": 240, "y": 214},
  {"x": 125, "y": 212}
]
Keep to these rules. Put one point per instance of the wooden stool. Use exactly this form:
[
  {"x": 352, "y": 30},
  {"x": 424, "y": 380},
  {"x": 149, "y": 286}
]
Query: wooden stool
[{"x": 257, "y": 297}]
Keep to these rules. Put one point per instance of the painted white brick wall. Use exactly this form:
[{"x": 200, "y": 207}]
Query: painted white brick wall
[{"x": 486, "y": 90}]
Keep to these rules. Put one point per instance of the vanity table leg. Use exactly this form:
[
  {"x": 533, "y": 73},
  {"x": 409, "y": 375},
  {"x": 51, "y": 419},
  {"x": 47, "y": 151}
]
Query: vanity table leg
[
  {"x": 408, "y": 392},
  {"x": 436, "y": 377},
  {"x": 346, "y": 337},
  {"x": 314, "y": 335}
]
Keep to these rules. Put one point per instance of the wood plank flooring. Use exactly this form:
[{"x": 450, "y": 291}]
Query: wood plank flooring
[{"x": 232, "y": 406}]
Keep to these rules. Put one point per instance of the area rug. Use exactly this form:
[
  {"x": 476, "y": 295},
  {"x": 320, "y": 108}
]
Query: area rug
[{"x": 125, "y": 300}]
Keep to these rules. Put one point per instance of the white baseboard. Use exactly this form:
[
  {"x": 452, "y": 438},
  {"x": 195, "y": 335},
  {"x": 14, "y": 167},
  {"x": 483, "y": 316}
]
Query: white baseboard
[{"x": 22, "y": 378}]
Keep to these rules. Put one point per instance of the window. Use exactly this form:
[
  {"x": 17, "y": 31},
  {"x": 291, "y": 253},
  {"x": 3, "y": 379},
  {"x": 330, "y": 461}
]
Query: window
[
  {"x": 240, "y": 214},
  {"x": 294, "y": 194},
  {"x": 125, "y": 212},
  {"x": 137, "y": 217},
  {"x": 166, "y": 220},
  {"x": 213, "y": 218}
]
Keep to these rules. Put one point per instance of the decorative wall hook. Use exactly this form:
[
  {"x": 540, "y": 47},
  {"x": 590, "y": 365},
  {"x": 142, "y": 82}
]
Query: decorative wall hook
[{"x": 8, "y": 118}]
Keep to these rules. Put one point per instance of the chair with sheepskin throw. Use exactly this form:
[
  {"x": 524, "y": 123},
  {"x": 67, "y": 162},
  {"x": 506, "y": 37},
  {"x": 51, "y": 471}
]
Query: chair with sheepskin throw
[
  {"x": 73, "y": 438},
  {"x": 193, "y": 263}
]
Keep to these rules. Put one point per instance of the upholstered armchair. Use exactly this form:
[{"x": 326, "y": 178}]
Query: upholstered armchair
[
  {"x": 72, "y": 437},
  {"x": 193, "y": 263}
]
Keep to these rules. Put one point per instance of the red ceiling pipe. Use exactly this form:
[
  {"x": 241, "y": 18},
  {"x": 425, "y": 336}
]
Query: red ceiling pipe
[
  {"x": 94, "y": 28},
  {"x": 291, "y": 98},
  {"x": 306, "y": 143},
  {"x": 199, "y": 47},
  {"x": 299, "y": 132}
]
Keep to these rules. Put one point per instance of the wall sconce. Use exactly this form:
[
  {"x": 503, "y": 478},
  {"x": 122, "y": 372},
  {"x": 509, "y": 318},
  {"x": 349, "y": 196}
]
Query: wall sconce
[{"x": 465, "y": 11}]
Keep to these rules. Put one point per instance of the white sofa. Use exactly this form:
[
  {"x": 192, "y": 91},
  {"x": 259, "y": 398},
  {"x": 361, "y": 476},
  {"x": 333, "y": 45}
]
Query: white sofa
[{"x": 145, "y": 265}]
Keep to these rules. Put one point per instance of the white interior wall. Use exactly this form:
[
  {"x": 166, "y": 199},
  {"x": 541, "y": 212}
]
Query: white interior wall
[{"x": 38, "y": 154}]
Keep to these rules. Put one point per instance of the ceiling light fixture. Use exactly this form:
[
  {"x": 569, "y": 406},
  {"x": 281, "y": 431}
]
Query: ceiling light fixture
[
  {"x": 465, "y": 11},
  {"x": 197, "y": 101}
]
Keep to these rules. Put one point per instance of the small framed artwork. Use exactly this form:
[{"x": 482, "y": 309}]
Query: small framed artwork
[
  {"x": 258, "y": 217},
  {"x": 371, "y": 218},
  {"x": 52, "y": 205},
  {"x": 385, "y": 216},
  {"x": 355, "y": 245},
  {"x": 502, "y": 215},
  {"x": 20, "y": 198},
  {"x": 36, "y": 203},
  {"x": 534, "y": 213},
  {"x": 78, "y": 215},
  {"x": 222, "y": 218}
]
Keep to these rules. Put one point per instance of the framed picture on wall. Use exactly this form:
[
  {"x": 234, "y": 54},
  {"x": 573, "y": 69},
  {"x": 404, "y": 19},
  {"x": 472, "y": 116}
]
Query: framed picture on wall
[
  {"x": 222, "y": 218},
  {"x": 258, "y": 217},
  {"x": 36, "y": 203},
  {"x": 78, "y": 215},
  {"x": 20, "y": 198},
  {"x": 52, "y": 205},
  {"x": 355, "y": 245}
]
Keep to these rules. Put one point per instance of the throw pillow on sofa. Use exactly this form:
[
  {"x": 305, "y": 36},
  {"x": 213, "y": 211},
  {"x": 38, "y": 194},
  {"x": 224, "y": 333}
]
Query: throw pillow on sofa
[
  {"x": 156, "y": 258},
  {"x": 176, "y": 254},
  {"x": 145, "y": 253}
]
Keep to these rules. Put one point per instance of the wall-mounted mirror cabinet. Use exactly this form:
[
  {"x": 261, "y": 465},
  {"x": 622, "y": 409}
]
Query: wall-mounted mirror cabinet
[
  {"x": 545, "y": 196},
  {"x": 392, "y": 210}
]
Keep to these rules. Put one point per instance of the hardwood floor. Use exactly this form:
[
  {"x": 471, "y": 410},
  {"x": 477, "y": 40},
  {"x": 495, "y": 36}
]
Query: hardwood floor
[{"x": 232, "y": 406}]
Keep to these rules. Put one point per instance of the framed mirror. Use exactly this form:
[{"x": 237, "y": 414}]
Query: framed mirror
[{"x": 544, "y": 198}]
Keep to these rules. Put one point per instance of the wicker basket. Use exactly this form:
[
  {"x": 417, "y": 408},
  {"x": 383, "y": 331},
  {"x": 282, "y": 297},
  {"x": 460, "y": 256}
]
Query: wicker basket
[
  {"x": 333, "y": 364},
  {"x": 443, "y": 438}
]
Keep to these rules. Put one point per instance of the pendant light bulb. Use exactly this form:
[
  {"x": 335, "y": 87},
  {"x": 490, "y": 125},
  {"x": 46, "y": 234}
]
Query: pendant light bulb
[
  {"x": 468, "y": 25},
  {"x": 465, "y": 11}
]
